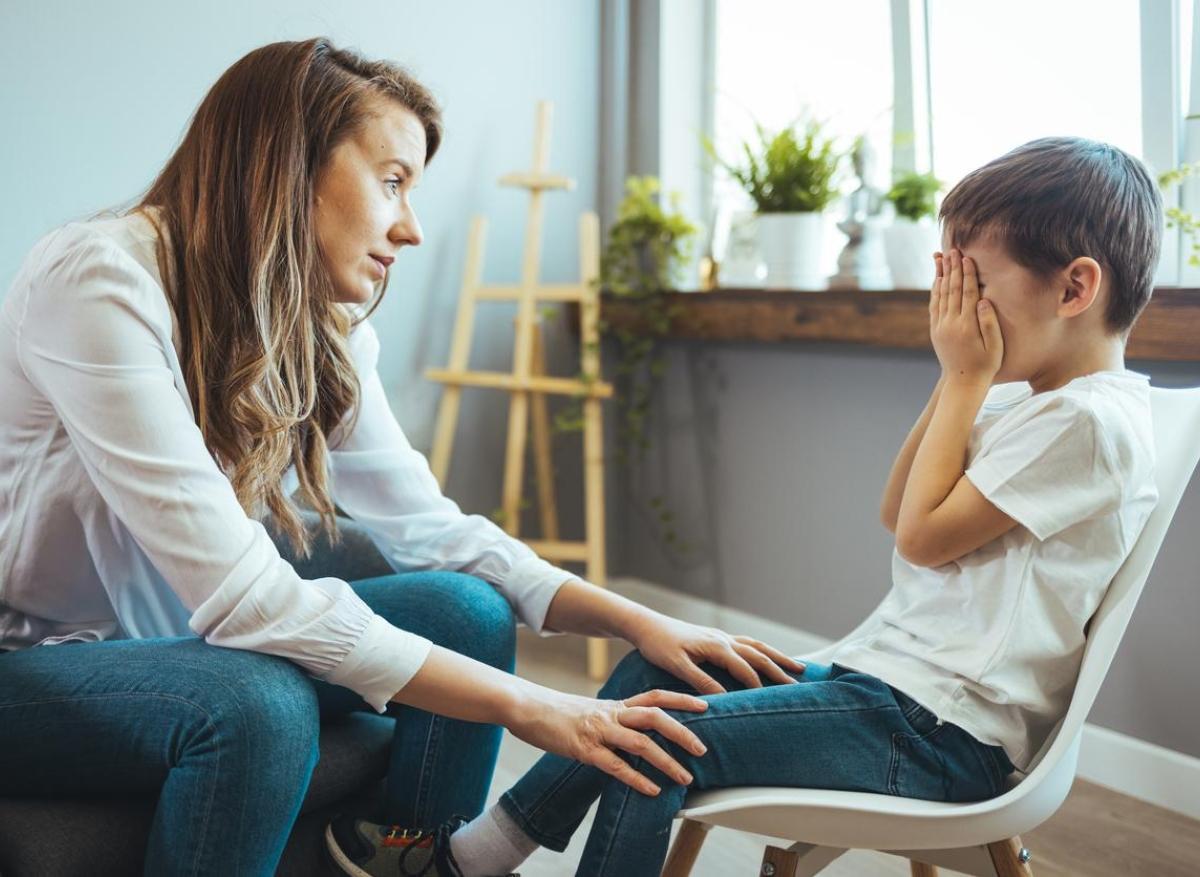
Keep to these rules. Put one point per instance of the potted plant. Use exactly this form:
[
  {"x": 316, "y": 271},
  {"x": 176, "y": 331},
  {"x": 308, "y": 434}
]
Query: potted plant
[
  {"x": 913, "y": 237},
  {"x": 792, "y": 176},
  {"x": 647, "y": 247},
  {"x": 648, "y": 243}
]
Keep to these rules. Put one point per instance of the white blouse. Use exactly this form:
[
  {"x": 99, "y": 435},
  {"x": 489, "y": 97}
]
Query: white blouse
[{"x": 115, "y": 521}]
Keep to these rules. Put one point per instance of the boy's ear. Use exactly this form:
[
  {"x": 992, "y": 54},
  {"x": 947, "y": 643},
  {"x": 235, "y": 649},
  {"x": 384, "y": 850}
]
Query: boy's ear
[{"x": 1081, "y": 286}]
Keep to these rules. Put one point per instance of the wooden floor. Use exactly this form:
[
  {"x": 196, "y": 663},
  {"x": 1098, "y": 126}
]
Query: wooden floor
[{"x": 1097, "y": 833}]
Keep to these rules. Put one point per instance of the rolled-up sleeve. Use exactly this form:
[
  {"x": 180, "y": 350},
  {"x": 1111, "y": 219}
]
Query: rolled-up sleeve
[
  {"x": 95, "y": 339},
  {"x": 386, "y": 485}
]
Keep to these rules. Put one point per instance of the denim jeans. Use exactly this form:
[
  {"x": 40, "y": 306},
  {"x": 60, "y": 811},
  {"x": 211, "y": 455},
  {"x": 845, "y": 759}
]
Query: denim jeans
[
  {"x": 230, "y": 737},
  {"x": 836, "y": 729}
]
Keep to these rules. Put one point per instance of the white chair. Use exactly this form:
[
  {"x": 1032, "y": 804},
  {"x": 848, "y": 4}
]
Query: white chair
[{"x": 980, "y": 838}]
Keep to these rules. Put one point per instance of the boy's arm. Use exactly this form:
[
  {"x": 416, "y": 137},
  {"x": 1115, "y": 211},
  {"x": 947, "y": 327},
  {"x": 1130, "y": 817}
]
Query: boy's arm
[
  {"x": 893, "y": 491},
  {"x": 942, "y": 514}
]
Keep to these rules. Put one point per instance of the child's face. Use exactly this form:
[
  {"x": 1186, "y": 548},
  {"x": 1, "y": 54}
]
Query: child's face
[{"x": 1026, "y": 306}]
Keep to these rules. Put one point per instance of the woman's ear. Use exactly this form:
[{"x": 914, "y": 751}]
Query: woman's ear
[{"x": 1081, "y": 286}]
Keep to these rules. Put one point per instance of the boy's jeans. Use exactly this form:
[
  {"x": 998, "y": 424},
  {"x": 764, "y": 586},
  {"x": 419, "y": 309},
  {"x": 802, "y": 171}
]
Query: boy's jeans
[
  {"x": 836, "y": 729},
  {"x": 230, "y": 737}
]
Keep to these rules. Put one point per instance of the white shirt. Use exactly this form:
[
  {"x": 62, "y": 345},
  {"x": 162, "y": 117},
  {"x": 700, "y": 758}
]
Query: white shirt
[
  {"x": 992, "y": 641},
  {"x": 115, "y": 521}
]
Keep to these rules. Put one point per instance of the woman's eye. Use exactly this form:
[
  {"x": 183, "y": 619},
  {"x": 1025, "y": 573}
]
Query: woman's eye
[{"x": 394, "y": 184}]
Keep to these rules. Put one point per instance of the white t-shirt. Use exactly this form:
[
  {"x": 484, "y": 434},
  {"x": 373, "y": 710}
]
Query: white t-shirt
[
  {"x": 992, "y": 641},
  {"x": 115, "y": 521}
]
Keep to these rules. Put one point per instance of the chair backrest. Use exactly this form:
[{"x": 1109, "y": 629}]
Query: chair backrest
[{"x": 1176, "y": 415}]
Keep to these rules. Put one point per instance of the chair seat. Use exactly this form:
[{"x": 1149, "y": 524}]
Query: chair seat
[
  {"x": 50, "y": 837},
  {"x": 861, "y": 820}
]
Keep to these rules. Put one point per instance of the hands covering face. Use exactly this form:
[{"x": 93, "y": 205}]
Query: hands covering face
[{"x": 962, "y": 325}]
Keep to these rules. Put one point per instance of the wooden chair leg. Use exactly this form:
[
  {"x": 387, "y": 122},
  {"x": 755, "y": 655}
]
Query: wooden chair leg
[
  {"x": 922, "y": 869},
  {"x": 779, "y": 863},
  {"x": 1010, "y": 858},
  {"x": 686, "y": 849},
  {"x": 798, "y": 860}
]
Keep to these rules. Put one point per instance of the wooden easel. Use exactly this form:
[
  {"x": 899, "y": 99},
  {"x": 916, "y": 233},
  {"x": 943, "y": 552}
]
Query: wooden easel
[{"x": 528, "y": 384}]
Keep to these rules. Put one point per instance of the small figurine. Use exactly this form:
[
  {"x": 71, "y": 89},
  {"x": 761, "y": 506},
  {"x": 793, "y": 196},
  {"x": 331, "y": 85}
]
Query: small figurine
[{"x": 862, "y": 263}]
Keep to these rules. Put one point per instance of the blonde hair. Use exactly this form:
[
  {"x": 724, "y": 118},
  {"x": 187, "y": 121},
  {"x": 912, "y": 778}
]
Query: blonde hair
[{"x": 263, "y": 341}]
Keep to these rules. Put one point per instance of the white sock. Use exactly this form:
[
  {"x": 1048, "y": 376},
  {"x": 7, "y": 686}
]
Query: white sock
[{"x": 490, "y": 844}]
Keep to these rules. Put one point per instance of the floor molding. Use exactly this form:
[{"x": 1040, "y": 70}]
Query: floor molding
[
  {"x": 1131, "y": 766},
  {"x": 1142, "y": 770}
]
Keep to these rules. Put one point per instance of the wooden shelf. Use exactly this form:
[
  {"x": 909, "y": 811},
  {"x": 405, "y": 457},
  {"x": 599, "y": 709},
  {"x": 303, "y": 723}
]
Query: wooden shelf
[{"x": 1169, "y": 328}]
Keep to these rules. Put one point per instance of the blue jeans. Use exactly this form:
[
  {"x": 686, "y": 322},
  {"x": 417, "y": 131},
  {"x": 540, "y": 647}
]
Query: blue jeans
[
  {"x": 837, "y": 729},
  {"x": 230, "y": 737}
]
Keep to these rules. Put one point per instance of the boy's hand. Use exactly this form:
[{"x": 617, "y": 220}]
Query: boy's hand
[{"x": 962, "y": 325}]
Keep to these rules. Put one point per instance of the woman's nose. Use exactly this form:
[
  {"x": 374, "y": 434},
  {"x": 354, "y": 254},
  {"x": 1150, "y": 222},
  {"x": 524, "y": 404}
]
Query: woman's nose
[{"x": 407, "y": 231}]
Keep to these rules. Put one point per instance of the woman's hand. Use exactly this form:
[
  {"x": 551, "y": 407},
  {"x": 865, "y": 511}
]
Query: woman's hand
[
  {"x": 581, "y": 728},
  {"x": 679, "y": 648},
  {"x": 962, "y": 325},
  {"x": 592, "y": 731}
]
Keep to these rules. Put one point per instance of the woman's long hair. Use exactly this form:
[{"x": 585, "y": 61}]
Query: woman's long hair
[{"x": 263, "y": 342}]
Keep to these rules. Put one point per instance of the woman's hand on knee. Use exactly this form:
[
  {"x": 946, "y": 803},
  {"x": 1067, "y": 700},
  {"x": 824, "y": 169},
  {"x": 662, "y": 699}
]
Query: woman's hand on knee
[
  {"x": 680, "y": 648},
  {"x": 594, "y": 732}
]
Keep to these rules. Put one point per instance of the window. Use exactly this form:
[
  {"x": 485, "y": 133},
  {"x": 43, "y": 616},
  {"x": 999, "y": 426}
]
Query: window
[
  {"x": 1002, "y": 74},
  {"x": 780, "y": 61},
  {"x": 973, "y": 77}
]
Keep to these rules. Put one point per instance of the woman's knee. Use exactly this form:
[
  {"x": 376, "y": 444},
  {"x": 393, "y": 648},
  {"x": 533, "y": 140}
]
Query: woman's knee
[
  {"x": 457, "y": 611},
  {"x": 263, "y": 706},
  {"x": 486, "y": 624}
]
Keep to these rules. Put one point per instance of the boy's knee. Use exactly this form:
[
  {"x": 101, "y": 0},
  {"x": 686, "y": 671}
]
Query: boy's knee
[{"x": 633, "y": 675}]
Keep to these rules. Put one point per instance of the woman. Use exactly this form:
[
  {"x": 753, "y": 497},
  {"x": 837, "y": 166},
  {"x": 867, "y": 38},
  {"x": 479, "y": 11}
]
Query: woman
[{"x": 171, "y": 376}]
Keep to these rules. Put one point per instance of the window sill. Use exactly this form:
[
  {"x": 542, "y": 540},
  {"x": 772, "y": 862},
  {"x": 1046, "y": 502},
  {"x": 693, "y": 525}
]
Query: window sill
[{"x": 1169, "y": 328}]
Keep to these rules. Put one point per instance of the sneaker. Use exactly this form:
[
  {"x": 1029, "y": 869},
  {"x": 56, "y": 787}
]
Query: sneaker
[{"x": 367, "y": 849}]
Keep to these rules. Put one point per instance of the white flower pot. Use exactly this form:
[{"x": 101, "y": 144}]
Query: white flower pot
[
  {"x": 741, "y": 256},
  {"x": 791, "y": 245},
  {"x": 910, "y": 247}
]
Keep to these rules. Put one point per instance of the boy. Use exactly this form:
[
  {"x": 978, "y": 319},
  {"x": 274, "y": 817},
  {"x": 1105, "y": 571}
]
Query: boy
[{"x": 1013, "y": 507}]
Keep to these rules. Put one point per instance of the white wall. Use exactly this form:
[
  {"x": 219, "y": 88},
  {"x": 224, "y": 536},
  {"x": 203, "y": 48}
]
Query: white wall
[{"x": 94, "y": 97}]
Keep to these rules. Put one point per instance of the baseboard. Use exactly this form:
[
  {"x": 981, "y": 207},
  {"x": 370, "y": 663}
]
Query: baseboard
[
  {"x": 1142, "y": 770},
  {"x": 1126, "y": 764}
]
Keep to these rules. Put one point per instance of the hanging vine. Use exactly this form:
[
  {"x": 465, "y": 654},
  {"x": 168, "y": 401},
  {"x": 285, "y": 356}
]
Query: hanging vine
[{"x": 647, "y": 247}]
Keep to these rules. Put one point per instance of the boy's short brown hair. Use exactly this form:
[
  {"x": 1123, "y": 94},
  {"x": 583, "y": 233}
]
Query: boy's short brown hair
[{"x": 1058, "y": 198}]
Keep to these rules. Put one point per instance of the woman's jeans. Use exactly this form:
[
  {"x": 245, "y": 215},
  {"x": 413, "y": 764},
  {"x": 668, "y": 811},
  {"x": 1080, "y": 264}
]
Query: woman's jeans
[
  {"x": 230, "y": 737},
  {"x": 836, "y": 729}
]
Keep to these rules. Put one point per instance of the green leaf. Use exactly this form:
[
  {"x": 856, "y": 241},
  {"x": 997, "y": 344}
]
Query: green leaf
[
  {"x": 915, "y": 195},
  {"x": 796, "y": 170}
]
